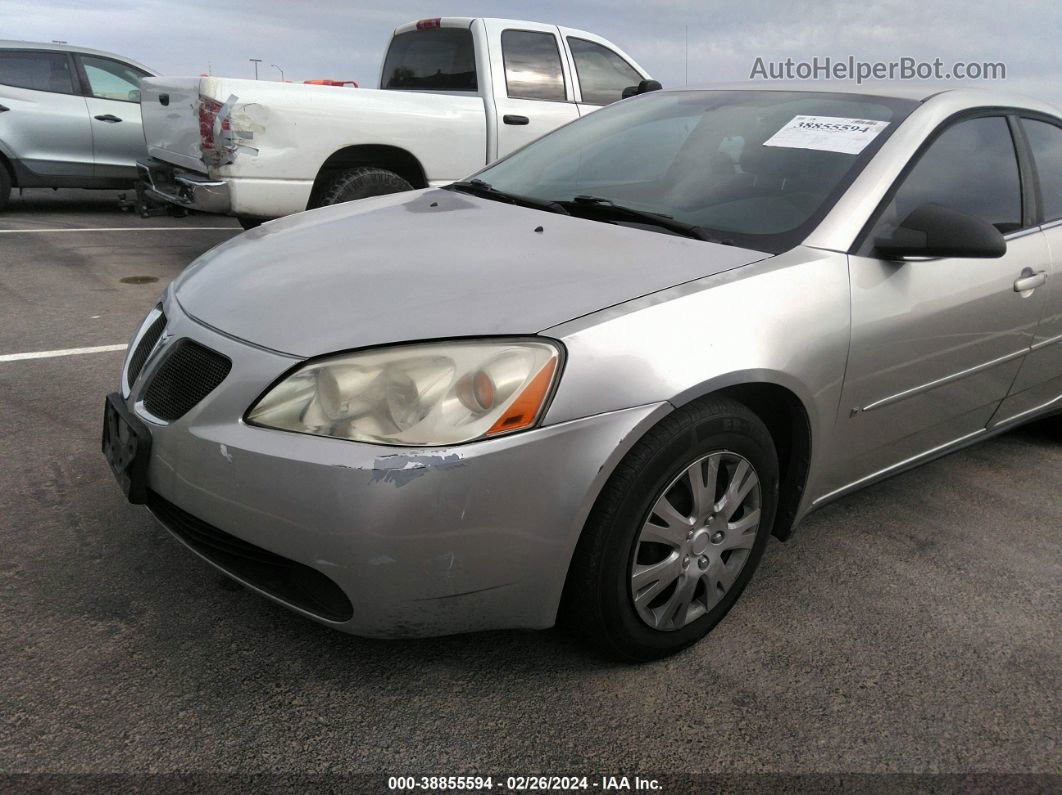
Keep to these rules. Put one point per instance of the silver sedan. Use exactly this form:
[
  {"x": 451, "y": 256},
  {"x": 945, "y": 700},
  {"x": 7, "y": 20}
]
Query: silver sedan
[{"x": 589, "y": 383}]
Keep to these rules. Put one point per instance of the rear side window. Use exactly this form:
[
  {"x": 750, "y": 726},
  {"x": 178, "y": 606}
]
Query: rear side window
[
  {"x": 603, "y": 74},
  {"x": 972, "y": 167},
  {"x": 39, "y": 71},
  {"x": 532, "y": 65},
  {"x": 112, "y": 79},
  {"x": 1046, "y": 142},
  {"x": 435, "y": 59}
]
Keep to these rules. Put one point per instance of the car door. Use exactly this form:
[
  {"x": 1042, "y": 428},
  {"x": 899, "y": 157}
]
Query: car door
[
  {"x": 1039, "y": 384},
  {"x": 601, "y": 73},
  {"x": 112, "y": 91},
  {"x": 44, "y": 123},
  {"x": 534, "y": 94},
  {"x": 937, "y": 343}
]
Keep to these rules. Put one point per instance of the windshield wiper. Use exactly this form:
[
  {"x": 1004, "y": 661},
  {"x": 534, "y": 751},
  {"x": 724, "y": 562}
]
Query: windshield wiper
[
  {"x": 478, "y": 187},
  {"x": 606, "y": 208}
]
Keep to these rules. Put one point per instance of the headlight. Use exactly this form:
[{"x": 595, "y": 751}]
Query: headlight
[{"x": 421, "y": 395}]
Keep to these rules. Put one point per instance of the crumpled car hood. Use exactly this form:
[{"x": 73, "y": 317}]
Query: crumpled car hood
[{"x": 429, "y": 264}]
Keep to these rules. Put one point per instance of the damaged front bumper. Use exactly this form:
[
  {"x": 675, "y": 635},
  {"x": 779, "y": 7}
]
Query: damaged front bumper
[
  {"x": 163, "y": 182},
  {"x": 413, "y": 542}
]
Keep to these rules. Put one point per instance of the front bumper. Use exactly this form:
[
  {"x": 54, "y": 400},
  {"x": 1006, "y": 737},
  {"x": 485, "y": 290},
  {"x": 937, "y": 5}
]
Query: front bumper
[
  {"x": 420, "y": 541},
  {"x": 167, "y": 183}
]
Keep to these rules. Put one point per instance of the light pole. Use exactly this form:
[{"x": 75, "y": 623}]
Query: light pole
[
  {"x": 255, "y": 61},
  {"x": 279, "y": 70}
]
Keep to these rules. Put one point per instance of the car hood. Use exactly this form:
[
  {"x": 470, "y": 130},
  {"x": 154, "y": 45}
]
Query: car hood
[{"x": 430, "y": 264}]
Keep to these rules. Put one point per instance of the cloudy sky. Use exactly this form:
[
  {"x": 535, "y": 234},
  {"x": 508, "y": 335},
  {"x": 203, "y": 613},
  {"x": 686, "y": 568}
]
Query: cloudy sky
[{"x": 346, "y": 39}]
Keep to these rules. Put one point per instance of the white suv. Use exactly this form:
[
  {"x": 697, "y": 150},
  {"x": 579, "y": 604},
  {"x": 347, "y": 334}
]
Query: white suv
[{"x": 69, "y": 117}]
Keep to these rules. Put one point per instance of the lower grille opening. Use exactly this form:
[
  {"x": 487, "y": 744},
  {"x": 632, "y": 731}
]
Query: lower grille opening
[{"x": 285, "y": 579}]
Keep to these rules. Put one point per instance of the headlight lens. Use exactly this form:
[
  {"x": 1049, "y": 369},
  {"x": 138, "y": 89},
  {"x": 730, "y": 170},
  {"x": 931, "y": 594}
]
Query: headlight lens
[{"x": 422, "y": 395}]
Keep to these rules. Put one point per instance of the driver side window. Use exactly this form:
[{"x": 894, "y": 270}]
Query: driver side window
[
  {"x": 112, "y": 80},
  {"x": 972, "y": 167}
]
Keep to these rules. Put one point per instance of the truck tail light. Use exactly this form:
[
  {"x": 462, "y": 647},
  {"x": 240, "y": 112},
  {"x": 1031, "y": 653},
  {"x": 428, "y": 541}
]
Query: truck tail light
[
  {"x": 208, "y": 113},
  {"x": 428, "y": 24}
]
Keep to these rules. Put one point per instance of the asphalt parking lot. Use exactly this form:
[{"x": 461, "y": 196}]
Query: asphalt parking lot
[{"x": 911, "y": 628}]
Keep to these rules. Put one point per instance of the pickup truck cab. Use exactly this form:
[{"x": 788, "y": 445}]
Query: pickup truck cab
[{"x": 455, "y": 94}]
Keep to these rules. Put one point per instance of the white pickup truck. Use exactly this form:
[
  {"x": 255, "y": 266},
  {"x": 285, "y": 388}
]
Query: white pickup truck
[{"x": 455, "y": 93}]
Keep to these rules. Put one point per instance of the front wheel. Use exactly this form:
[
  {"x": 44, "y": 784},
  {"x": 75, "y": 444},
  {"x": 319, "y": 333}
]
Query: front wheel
[
  {"x": 676, "y": 533},
  {"x": 5, "y": 186},
  {"x": 360, "y": 183},
  {"x": 1051, "y": 425}
]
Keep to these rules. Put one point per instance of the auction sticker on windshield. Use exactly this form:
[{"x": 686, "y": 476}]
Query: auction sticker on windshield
[{"x": 827, "y": 134}]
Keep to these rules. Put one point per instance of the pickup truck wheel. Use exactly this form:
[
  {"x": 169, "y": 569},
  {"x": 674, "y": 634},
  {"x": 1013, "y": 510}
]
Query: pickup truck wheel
[
  {"x": 360, "y": 183},
  {"x": 1052, "y": 426},
  {"x": 676, "y": 533},
  {"x": 5, "y": 186}
]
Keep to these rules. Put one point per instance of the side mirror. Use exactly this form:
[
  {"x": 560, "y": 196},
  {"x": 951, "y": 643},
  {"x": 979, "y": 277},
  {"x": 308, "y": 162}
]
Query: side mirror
[
  {"x": 643, "y": 87},
  {"x": 933, "y": 230},
  {"x": 134, "y": 95}
]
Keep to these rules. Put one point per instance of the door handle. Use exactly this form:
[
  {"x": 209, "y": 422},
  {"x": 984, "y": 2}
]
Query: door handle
[
  {"x": 1030, "y": 280},
  {"x": 511, "y": 118},
  {"x": 110, "y": 118},
  {"x": 3, "y": 108}
]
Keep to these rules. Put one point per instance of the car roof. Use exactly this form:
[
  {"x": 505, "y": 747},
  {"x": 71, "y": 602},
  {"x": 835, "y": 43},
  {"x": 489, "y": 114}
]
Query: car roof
[
  {"x": 966, "y": 96},
  {"x": 10, "y": 44}
]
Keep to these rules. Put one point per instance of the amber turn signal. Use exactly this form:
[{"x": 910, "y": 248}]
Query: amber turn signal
[{"x": 524, "y": 410}]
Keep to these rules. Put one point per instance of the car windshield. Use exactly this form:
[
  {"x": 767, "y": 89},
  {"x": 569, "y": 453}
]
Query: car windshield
[{"x": 753, "y": 168}]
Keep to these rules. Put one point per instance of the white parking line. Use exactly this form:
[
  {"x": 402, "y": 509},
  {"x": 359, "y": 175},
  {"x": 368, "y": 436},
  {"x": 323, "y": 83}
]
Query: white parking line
[
  {"x": 117, "y": 229},
  {"x": 17, "y": 357}
]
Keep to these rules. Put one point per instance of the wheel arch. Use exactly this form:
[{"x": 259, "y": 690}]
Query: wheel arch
[
  {"x": 393, "y": 158},
  {"x": 5, "y": 163},
  {"x": 788, "y": 422},
  {"x": 777, "y": 401}
]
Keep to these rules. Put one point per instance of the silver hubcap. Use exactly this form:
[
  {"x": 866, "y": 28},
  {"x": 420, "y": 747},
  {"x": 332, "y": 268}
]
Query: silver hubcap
[{"x": 696, "y": 540}]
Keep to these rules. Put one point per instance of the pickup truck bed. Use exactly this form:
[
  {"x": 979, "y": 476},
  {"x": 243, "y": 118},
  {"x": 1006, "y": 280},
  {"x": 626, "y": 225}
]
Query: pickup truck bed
[{"x": 287, "y": 124}]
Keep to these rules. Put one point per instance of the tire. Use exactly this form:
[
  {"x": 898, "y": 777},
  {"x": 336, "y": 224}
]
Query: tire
[
  {"x": 1051, "y": 426},
  {"x": 360, "y": 183},
  {"x": 5, "y": 185},
  {"x": 247, "y": 222},
  {"x": 599, "y": 598}
]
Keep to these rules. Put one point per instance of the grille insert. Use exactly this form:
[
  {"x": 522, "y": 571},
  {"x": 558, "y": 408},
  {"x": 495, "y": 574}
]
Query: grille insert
[
  {"x": 143, "y": 349},
  {"x": 291, "y": 582},
  {"x": 187, "y": 375}
]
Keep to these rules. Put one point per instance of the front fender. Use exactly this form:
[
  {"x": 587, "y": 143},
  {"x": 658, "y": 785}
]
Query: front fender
[{"x": 785, "y": 321}]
